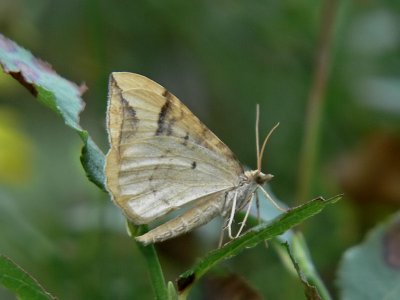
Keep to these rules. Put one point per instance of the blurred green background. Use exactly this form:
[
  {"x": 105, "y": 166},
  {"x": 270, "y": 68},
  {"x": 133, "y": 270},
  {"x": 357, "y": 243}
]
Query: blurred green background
[{"x": 220, "y": 58}]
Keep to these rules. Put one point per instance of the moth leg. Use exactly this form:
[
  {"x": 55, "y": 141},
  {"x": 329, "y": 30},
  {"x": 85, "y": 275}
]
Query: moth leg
[
  {"x": 246, "y": 216},
  {"x": 232, "y": 216},
  {"x": 221, "y": 235},
  {"x": 258, "y": 215},
  {"x": 258, "y": 208},
  {"x": 270, "y": 199}
]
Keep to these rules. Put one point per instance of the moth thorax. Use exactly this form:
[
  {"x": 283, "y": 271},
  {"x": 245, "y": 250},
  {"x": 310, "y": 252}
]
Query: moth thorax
[{"x": 258, "y": 176}]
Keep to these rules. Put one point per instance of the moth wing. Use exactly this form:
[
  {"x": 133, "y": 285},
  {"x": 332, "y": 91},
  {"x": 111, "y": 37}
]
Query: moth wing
[{"x": 162, "y": 156}]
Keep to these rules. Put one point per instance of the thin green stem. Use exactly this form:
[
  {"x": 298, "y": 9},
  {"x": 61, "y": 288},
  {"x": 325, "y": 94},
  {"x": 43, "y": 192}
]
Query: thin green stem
[
  {"x": 153, "y": 264},
  {"x": 300, "y": 254},
  {"x": 308, "y": 155}
]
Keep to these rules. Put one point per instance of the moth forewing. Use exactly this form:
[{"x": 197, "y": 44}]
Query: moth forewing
[{"x": 162, "y": 158}]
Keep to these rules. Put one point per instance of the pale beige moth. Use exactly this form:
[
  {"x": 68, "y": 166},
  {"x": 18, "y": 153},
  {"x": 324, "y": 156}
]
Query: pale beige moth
[{"x": 163, "y": 158}]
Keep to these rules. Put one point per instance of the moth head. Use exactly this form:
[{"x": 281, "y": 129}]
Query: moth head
[
  {"x": 258, "y": 177},
  {"x": 262, "y": 178}
]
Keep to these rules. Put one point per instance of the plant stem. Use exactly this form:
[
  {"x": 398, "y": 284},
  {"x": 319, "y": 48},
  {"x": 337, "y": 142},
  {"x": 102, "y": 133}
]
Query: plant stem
[
  {"x": 308, "y": 154},
  {"x": 300, "y": 254},
  {"x": 153, "y": 263}
]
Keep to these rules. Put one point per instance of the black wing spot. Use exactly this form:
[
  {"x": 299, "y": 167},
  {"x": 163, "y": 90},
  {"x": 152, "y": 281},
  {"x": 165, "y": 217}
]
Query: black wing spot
[
  {"x": 194, "y": 165},
  {"x": 185, "y": 139}
]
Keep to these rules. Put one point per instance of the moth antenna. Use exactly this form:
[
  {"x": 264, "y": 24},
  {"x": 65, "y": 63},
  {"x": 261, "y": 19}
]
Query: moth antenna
[
  {"x": 222, "y": 234},
  {"x": 263, "y": 146},
  {"x": 258, "y": 138}
]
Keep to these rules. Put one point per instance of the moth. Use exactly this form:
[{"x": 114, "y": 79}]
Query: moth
[{"x": 162, "y": 158}]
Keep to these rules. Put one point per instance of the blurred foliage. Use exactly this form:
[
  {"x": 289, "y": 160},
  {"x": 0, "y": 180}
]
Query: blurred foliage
[
  {"x": 381, "y": 249},
  {"x": 16, "y": 149},
  {"x": 21, "y": 283},
  {"x": 220, "y": 58}
]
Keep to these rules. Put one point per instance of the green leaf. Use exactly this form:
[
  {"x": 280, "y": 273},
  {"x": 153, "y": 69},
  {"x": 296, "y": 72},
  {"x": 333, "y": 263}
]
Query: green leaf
[
  {"x": 251, "y": 238},
  {"x": 92, "y": 160},
  {"x": 58, "y": 94},
  {"x": 371, "y": 270},
  {"x": 20, "y": 282}
]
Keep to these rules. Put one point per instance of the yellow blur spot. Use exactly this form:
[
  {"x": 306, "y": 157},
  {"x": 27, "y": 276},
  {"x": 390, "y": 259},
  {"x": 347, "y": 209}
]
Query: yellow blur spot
[{"x": 15, "y": 149}]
